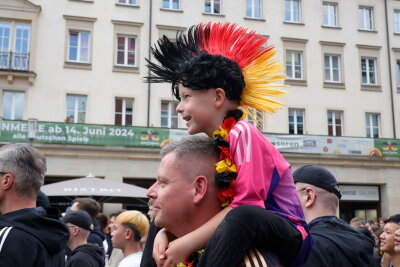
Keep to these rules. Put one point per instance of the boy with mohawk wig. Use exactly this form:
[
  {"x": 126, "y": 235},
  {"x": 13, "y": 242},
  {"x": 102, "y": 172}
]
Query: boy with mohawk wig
[{"x": 220, "y": 72}]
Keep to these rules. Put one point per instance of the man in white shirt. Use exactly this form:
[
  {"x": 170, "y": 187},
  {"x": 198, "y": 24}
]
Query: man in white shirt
[{"x": 130, "y": 226}]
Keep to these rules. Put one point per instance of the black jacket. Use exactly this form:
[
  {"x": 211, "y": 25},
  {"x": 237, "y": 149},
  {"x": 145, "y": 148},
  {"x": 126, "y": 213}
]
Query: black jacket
[
  {"x": 31, "y": 240},
  {"x": 96, "y": 236},
  {"x": 337, "y": 244},
  {"x": 87, "y": 255}
]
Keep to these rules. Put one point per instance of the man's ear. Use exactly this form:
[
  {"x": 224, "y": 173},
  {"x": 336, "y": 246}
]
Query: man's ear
[
  {"x": 311, "y": 197},
  {"x": 220, "y": 97},
  {"x": 7, "y": 181},
  {"x": 128, "y": 234},
  {"x": 200, "y": 187}
]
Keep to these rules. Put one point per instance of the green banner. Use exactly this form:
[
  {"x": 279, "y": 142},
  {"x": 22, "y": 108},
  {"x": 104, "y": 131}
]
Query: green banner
[
  {"x": 84, "y": 134},
  {"x": 387, "y": 147}
]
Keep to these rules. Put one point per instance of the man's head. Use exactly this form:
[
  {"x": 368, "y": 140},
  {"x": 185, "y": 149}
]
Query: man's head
[
  {"x": 80, "y": 225},
  {"x": 185, "y": 194},
  {"x": 397, "y": 241},
  {"x": 91, "y": 206},
  {"x": 317, "y": 190},
  {"x": 388, "y": 235},
  {"x": 130, "y": 227},
  {"x": 22, "y": 170}
]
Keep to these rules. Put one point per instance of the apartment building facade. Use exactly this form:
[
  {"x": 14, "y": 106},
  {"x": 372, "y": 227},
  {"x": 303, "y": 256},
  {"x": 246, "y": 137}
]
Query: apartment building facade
[{"x": 82, "y": 62}]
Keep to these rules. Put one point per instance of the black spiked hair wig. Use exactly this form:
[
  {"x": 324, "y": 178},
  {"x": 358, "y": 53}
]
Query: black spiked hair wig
[{"x": 183, "y": 62}]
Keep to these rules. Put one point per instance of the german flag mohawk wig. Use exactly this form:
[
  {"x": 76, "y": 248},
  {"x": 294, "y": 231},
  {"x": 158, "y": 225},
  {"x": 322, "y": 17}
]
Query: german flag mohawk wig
[{"x": 221, "y": 55}]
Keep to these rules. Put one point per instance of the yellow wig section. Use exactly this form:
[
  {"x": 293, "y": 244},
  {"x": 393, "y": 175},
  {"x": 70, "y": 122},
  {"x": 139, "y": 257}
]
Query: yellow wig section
[
  {"x": 258, "y": 92},
  {"x": 136, "y": 219}
]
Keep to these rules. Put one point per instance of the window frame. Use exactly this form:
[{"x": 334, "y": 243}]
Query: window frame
[
  {"x": 292, "y": 11},
  {"x": 253, "y": 8},
  {"x": 212, "y": 7},
  {"x": 13, "y": 107},
  {"x": 329, "y": 16},
  {"x": 76, "y": 108},
  {"x": 333, "y": 125},
  {"x": 126, "y": 2},
  {"x": 295, "y": 122},
  {"x": 398, "y": 73},
  {"x": 364, "y": 19},
  {"x": 331, "y": 80},
  {"x": 293, "y": 65},
  {"x": 170, "y": 114},
  {"x": 171, "y": 4},
  {"x": 123, "y": 112},
  {"x": 367, "y": 59},
  {"x": 78, "y": 47},
  {"x": 126, "y": 51},
  {"x": 369, "y": 125},
  {"x": 396, "y": 21}
]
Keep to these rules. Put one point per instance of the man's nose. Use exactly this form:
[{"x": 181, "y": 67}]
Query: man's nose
[{"x": 151, "y": 192}]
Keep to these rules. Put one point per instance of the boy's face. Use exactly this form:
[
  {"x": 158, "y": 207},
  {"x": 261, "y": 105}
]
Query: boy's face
[{"x": 198, "y": 110}]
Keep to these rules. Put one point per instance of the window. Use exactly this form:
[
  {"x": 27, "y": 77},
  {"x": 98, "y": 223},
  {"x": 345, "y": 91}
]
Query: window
[
  {"x": 257, "y": 119},
  {"x": 398, "y": 74},
  {"x": 296, "y": 121},
  {"x": 292, "y": 11},
  {"x": 332, "y": 68},
  {"x": 330, "y": 15},
  {"x": 127, "y": 2},
  {"x": 169, "y": 116},
  {"x": 124, "y": 111},
  {"x": 366, "y": 21},
  {"x": 212, "y": 6},
  {"x": 372, "y": 125},
  {"x": 294, "y": 65},
  {"x": 14, "y": 45},
  {"x": 253, "y": 9},
  {"x": 13, "y": 105},
  {"x": 368, "y": 71},
  {"x": 126, "y": 51},
  {"x": 171, "y": 4},
  {"x": 335, "y": 123},
  {"x": 76, "y": 109},
  {"x": 397, "y": 21},
  {"x": 78, "y": 46}
]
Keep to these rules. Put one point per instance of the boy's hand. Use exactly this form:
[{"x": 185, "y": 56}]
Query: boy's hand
[
  {"x": 178, "y": 251},
  {"x": 160, "y": 246}
]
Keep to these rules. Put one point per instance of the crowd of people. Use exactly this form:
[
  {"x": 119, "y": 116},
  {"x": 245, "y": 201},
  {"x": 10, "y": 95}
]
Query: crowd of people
[{"x": 226, "y": 199}]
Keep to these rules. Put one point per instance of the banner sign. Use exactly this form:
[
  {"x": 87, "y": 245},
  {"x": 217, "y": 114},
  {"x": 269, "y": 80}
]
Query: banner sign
[
  {"x": 359, "y": 192},
  {"x": 323, "y": 144},
  {"x": 110, "y": 135},
  {"x": 83, "y": 134}
]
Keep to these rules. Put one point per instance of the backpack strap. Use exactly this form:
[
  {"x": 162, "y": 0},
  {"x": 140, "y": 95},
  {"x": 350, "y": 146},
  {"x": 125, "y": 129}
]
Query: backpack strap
[{"x": 3, "y": 235}]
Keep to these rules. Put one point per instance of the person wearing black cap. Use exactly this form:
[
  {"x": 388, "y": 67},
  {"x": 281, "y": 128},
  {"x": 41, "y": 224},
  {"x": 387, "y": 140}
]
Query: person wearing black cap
[
  {"x": 335, "y": 242},
  {"x": 83, "y": 254}
]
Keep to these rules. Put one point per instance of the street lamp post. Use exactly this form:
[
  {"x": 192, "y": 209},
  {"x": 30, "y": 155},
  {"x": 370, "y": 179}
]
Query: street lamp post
[{"x": 32, "y": 127}]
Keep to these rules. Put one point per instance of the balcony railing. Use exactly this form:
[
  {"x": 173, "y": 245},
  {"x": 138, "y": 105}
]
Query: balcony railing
[{"x": 14, "y": 61}]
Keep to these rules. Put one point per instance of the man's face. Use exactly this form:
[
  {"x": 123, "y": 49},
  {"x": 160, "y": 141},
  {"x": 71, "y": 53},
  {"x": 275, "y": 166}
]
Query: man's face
[
  {"x": 397, "y": 241},
  {"x": 300, "y": 189},
  {"x": 387, "y": 237},
  {"x": 111, "y": 224},
  {"x": 118, "y": 235},
  {"x": 172, "y": 193}
]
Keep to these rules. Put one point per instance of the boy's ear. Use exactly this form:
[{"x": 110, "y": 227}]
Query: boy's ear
[{"x": 220, "y": 97}]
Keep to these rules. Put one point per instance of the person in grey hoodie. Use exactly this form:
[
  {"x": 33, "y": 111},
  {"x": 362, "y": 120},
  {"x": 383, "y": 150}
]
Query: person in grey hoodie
[{"x": 84, "y": 254}]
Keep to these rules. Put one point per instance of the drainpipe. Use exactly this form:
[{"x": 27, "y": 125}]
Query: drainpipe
[
  {"x": 149, "y": 57},
  {"x": 390, "y": 70}
]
